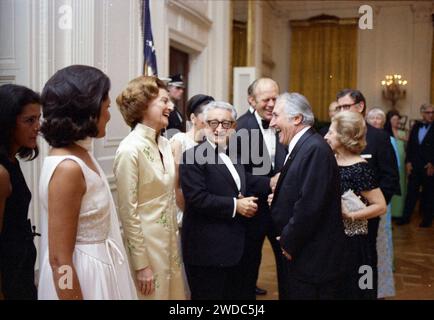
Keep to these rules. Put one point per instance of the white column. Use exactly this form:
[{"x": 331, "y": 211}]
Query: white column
[{"x": 219, "y": 50}]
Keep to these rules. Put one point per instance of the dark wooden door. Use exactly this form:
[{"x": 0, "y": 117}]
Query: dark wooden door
[{"x": 178, "y": 64}]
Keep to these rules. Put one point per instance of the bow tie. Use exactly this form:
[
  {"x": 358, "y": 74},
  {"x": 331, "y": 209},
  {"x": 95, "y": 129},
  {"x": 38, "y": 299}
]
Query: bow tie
[
  {"x": 265, "y": 124},
  {"x": 424, "y": 125}
]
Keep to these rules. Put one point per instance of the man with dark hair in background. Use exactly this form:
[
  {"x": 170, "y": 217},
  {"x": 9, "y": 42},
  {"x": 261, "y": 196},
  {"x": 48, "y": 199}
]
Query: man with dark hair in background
[{"x": 176, "y": 91}]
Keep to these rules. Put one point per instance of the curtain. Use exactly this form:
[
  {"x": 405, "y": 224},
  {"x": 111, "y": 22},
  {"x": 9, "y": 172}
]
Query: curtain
[
  {"x": 239, "y": 44},
  {"x": 432, "y": 65},
  {"x": 323, "y": 60}
]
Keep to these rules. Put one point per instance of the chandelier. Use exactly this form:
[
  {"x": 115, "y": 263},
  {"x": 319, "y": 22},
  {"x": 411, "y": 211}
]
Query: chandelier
[{"x": 394, "y": 88}]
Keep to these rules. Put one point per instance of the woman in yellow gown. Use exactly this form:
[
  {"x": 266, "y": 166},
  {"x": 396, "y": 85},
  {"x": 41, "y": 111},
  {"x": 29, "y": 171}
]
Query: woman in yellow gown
[{"x": 145, "y": 175}]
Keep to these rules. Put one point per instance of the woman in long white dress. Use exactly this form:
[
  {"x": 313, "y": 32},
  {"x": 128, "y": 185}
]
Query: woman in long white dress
[
  {"x": 82, "y": 253},
  {"x": 186, "y": 140}
]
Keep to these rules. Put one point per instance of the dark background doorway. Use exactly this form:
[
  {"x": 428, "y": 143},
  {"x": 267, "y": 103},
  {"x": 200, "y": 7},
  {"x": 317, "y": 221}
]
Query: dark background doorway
[{"x": 179, "y": 64}]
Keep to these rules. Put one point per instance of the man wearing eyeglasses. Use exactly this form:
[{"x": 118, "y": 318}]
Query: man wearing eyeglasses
[
  {"x": 217, "y": 208},
  {"x": 265, "y": 158},
  {"x": 381, "y": 158},
  {"x": 419, "y": 160}
]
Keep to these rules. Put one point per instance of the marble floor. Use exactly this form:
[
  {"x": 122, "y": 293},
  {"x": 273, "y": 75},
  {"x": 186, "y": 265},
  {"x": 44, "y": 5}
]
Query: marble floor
[{"x": 414, "y": 264}]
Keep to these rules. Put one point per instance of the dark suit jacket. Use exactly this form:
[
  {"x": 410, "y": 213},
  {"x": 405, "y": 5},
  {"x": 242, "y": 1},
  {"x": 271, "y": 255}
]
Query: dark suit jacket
[
  {"x": 258, "y": 147},
  {"x": 174, "y": 121},
  {"x": 307, "y": 211},
  {"x": 259, "y": 150},
  {"x": 382, "y": 161},
  {"x": 420, "y": 154},
  {"x": 211, "y": 236}
]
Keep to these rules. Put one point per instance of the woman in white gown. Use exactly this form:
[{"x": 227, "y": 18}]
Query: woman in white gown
[{"x": 82, "y": 253}]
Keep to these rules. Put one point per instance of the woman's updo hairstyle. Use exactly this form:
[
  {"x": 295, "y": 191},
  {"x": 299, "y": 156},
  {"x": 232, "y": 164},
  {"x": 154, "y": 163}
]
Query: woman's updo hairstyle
[{"x": 71, "y": 104}]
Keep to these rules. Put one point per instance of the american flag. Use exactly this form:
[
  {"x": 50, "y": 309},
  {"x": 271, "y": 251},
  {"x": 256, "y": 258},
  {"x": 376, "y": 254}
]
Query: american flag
[{"x": 150, "y": 59}]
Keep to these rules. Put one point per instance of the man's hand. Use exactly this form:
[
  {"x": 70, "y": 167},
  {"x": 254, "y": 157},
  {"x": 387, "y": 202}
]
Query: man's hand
[
  {"x": 270, "y": 199},
  {"x": 408, "y": 168},
  {"x": 273, "y": 181},
  {"x": 247, "y": 206},
  {"x": 286, "y": 254},
  {"x": 271, "y": 195},
  {"x": 429, "y": 169}
]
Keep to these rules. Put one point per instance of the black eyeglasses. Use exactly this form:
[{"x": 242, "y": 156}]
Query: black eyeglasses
[
  {"x": 226, "y": 124},
  {"x": 428, "y": 112},
  {"x": 345, "y": 106}
]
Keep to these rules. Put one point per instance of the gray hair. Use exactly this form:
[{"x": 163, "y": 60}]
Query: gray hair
[
  {"x": 375, "y": 112},
  {"x": 296, "y": 104},
  {"x": 425, "y": 106},
  {"x": 219, "y": 105}
]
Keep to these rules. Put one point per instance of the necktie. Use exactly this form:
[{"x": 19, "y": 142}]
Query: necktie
[
  {"x": 425, "y": 125},
  {"x": 265, "y": 124}
]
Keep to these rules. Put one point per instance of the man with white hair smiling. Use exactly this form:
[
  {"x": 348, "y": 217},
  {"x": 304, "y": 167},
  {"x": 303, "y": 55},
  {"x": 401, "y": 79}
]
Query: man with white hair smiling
[
  {"x": 219, "y": 199},
  {"x": 306, "y": 205}
]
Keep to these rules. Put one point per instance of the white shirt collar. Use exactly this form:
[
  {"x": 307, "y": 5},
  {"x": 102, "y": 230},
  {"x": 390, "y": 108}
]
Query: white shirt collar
[
  {"x": 213, "y": 145},
  {"x": 296, "y": 138},
  {"x": 259, "y": 120},
  {"x": 251, "y": 109}
]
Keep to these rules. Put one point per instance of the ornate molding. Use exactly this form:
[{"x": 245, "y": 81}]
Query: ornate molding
[
  {"x": 190, "y": 13},
  {"x": 422, "y": 12},
  {"x": 186, "y": 40},
  {"x": 7, "y": 79}
]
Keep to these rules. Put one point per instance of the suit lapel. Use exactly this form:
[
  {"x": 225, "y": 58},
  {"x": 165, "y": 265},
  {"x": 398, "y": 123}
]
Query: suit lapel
[
  {"x": 280, "y": 156},
  {"x": 241, "y": 173},
  {"x": 428, "y": 133},
  {"x": 224, "y": 170},
  {"x": 291, "y": 158}
]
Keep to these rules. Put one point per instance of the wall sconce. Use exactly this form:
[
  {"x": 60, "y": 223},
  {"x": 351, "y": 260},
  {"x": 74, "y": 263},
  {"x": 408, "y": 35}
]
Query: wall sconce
[{"x": 394, "y": 88}]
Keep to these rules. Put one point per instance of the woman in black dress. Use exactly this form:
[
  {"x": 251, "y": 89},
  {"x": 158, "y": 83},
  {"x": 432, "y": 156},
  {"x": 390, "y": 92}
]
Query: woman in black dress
[
  {"x": 20, "y": 112},
  {"x": 347, "y": 138}
]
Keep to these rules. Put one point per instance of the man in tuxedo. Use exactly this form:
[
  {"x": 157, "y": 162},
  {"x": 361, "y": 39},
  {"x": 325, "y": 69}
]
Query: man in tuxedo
[
  {"x": 381, "y": 158},
  {"x": 176, "y": 91},
  {"x": 306, "y": 205},
  {"x": 266, "y": 155},
  {"x": 419, "y": 161},
  {"x": 216, "y": 209}
]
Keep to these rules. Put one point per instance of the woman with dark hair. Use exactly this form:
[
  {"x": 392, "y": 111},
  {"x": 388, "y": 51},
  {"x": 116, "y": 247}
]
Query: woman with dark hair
[
  {"x": 20, "y": 111},
  {"x": 145, "y": 178},
  {"x": 82, "y": 254},
  {"x": 186, "y": 140},
  {"x": 399, "y": 139}
]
